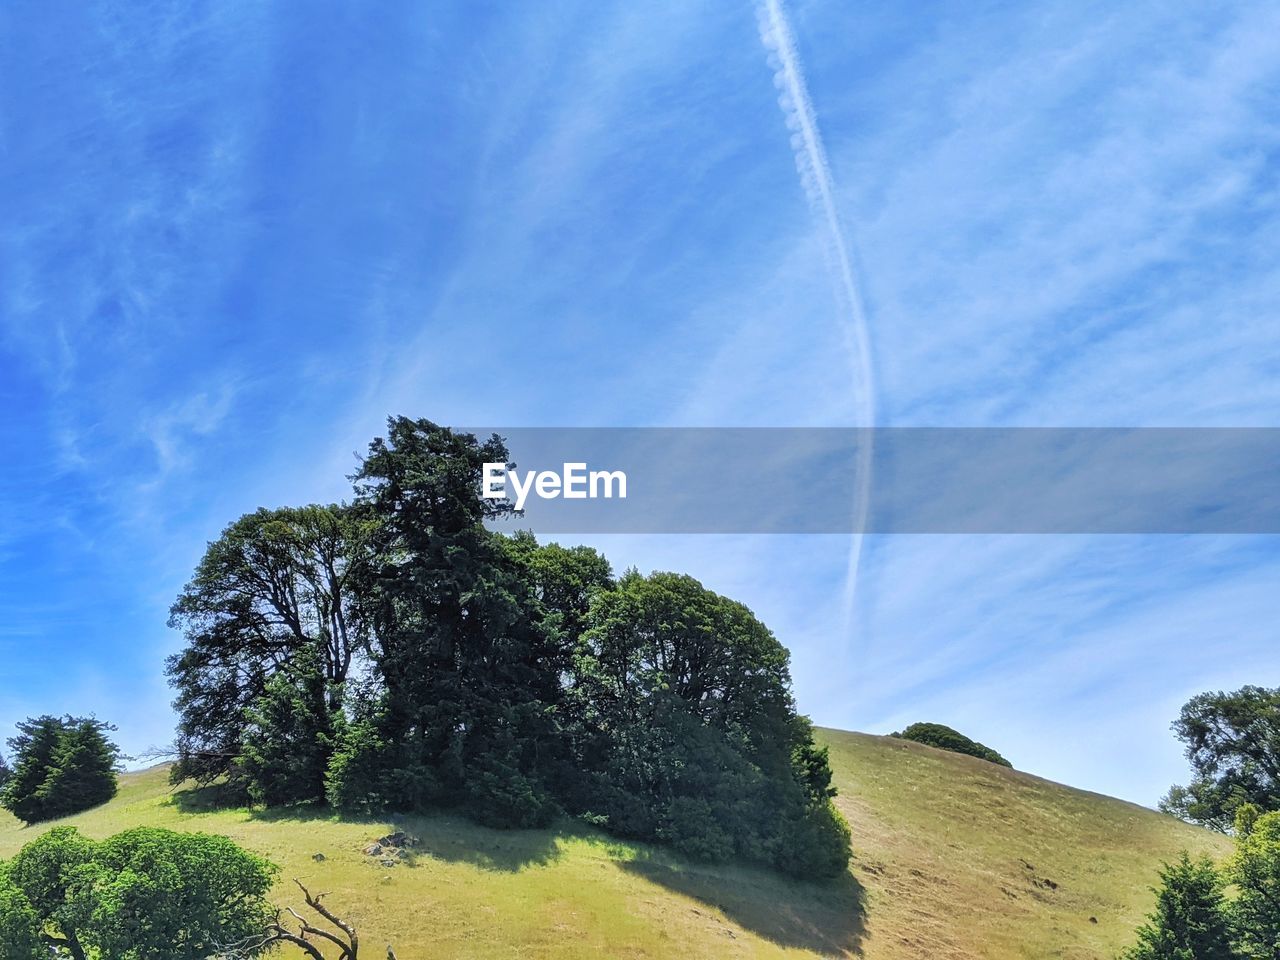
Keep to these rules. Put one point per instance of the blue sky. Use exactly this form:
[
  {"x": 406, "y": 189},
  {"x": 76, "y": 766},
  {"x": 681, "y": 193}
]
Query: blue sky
[{"x": 234, "y": 237}]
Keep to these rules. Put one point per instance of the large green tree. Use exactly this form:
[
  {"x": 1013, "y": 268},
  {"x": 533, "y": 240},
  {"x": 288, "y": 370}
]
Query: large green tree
[
  {"x": 1233, "y": 742},
  {"x": 272, "y": 597},
  {"x": 510, "y": 679},
  {"x": 466, "y": 709},
  {"x": 62, "y": 765}
]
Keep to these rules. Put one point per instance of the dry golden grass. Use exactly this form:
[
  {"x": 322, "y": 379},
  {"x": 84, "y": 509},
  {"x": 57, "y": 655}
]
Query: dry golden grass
[{"x": 955, "y": 858}]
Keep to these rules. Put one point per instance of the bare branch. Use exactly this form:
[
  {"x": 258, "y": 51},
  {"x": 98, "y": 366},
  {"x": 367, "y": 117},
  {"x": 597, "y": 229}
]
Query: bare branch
[{"x": 277, "y": 933}]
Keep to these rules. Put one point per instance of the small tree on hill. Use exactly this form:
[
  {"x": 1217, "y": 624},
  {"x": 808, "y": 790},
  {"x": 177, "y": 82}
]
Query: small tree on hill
[
  {"x": 1190, "y": 921},
  {"x": 945, "y": 738},
  {"x": 62, "y": 765}
]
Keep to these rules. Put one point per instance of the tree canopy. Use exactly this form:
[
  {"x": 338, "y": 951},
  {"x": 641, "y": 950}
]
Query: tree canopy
[
  {"x": 1233, "y": 743},
  {"x": 944, "y": 738},
  {"x": 272, "y": 597},
  {"x": 62, "y": 765},
  {"x": 1254, "y": 871}
]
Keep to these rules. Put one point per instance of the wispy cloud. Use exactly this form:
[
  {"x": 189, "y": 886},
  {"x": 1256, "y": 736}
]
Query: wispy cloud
[
  {"x": 194, "y": 416},
  {"x": 815, "y": 177}
]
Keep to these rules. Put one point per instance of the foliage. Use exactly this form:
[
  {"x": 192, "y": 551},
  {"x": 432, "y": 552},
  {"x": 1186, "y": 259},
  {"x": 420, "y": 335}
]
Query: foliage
[
  {"x": 273, "y": 595},
  {"x": 145, "y": 894},
  {"x": 5, "y": 771},
  {"x": 688, "y": 725},
  {"x": 945, "y": 738},
  {"x": 62, "y": 765},
  {"x": 563, "y": 580},
  {"x": 288, "y": 737},
  {"x": 19, "y": 925},
  {"x": 1254, "y": 870},
  {"x": 1190, "y": 920},
  {"x": 465, "y": 712},
  {"x": 505, "y": 678},
  {"x": 1233, "y": 743}
]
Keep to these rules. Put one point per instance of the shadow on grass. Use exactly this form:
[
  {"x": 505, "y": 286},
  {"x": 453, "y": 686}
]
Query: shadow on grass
[
  {"x": 442, "y": 836},
  {"x": 208, "y": 798},
  {"x": 454, "y": 840},
  {"x": 828, "y": 918}
]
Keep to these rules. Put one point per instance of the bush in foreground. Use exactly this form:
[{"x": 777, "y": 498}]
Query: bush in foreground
[
  {"x": 145, "y": 894},
  {"x": 945, "y": 738}
]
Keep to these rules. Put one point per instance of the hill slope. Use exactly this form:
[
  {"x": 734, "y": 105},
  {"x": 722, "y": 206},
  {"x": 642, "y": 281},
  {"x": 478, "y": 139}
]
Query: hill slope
[{"x": 954, "y": 858}]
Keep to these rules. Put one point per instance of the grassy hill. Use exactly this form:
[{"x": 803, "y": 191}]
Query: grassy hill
[{"x": 954, "y": 858}]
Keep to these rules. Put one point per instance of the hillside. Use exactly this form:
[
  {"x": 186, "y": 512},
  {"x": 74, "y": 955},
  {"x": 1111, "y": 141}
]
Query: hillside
[{"x": 954, "y": 858}]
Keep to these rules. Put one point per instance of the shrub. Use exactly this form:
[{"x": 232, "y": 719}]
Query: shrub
[
  {"x": 288, "y": 737},
  {"x": 945, "y": 738},
  {"x": 145, "y": 894},
  {"x": 814, "y": 844},
  {"x": 499, "y": 795}
]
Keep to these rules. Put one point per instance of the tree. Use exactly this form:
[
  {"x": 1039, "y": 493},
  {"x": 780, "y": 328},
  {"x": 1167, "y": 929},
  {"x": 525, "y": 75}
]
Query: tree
[
  {"x": 62, "y": 765},
  {"x": 289, "y": 736},
  {"x": 5, "y": 771},
  {"x": 1233, "y": 743},
  {"x": 690, "y": 730},
  {"x": 145, "y": 894},
  {"x": 272, "y": 597},
  {"x": 1255, "y": 872},
  {"x": 945, "y": 738},
  {"x": 1190, "y": 921},
  {"x": 466, "y": 709}
]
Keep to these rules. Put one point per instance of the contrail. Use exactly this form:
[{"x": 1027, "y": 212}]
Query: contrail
[{"x": 815, "y": 178}]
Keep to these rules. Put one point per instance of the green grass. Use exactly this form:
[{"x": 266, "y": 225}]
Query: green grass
[{"x": 954, "y": 858}]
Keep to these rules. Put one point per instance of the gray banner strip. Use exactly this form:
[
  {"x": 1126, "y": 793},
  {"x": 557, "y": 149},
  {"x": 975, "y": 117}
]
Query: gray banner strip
[{"x": 921, "y": 480}]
